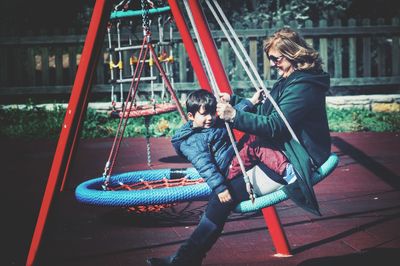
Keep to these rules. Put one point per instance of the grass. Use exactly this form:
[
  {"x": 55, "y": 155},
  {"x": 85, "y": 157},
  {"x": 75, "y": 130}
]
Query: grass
[{"x": 38, "y": 123}]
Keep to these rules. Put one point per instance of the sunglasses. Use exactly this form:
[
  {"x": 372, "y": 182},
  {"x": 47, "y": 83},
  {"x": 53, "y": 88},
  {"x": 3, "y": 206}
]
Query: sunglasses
[{"x": 275, "y": 59}]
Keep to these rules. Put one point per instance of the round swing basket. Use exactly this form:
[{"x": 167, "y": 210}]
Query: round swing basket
[
  {"x": 144, "y": 110},
  {"x": 156, "y": 187}
]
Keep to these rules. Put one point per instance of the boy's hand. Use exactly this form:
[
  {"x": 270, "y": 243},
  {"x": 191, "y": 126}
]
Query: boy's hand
[
  {"x": 224, "y": 196},
  {"x": 225, "y": 97},
  {"x": 225, "y": 111}
]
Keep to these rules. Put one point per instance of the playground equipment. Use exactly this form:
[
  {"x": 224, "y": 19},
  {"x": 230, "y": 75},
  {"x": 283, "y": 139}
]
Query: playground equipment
[
  {"x": 78, "y": 104},
  {"x": 166, "y": 186},
  {"x": 125, "y": 51},
  {"x": 160, "y": 55}
]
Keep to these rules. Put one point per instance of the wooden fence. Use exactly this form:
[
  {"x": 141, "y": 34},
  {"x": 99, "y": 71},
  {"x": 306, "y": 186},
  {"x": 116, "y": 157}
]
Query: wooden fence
[{"x": 355, "y": 53}]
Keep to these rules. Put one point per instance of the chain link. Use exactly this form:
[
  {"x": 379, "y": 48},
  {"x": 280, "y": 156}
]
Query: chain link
[{"x": 145, "y": 16}]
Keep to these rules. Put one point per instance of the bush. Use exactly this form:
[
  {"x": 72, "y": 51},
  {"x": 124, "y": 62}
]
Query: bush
[{"x": 38, "y": 123}]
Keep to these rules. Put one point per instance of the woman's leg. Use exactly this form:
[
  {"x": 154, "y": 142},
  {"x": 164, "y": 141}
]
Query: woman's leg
[{"x": 256, "y": 151}]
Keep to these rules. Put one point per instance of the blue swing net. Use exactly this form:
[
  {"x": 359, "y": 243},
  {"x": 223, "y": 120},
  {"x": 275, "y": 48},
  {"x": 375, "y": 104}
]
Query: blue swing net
[{"x": 157, "y": 187}]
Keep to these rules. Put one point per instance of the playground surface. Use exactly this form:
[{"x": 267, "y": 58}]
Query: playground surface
[{"x": 360, "y": 203}]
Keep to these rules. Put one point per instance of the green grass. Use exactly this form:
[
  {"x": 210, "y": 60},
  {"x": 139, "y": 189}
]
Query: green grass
[
  {"x": 355, "y": 120},
  {"x": 38, "y": 123}
]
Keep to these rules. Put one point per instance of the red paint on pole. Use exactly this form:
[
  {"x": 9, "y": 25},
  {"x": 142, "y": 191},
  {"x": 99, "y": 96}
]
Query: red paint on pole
[
  {"x": 276, "y": 231},
  {"x": 73, "y": 117},
  {"x": 209, "y": 47},
  {"x": 189, "y": 45}
]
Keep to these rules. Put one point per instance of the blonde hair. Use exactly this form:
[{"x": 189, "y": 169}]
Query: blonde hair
[{"x": 294, "y": 48}]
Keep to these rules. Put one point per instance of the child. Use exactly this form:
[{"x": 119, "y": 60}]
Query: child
[{"x": 205, "y": 142}]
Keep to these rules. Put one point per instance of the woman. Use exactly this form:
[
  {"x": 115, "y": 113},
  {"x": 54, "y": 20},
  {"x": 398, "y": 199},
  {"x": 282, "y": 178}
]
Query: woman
[{"x": 300, "y": 94}]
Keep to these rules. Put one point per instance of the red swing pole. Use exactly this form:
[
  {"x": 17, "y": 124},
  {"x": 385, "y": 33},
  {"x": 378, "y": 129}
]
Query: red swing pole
[
  {"x": 73, "y": 117},
  {"x": 270, "y": 215},
  {"x": 189, "y": 45},
  {"x": 209, "y": 47}
]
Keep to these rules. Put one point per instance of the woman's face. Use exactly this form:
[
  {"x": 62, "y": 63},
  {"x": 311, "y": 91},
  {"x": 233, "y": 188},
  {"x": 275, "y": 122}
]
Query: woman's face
[{"x": 276, "y": 59}]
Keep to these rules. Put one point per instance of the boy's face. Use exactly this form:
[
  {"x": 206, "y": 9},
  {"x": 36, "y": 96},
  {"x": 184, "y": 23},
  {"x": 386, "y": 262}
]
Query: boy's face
[{"x": 202, "y": 119}]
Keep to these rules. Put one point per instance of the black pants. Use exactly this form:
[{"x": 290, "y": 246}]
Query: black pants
[{"x": 211, "y": 224}]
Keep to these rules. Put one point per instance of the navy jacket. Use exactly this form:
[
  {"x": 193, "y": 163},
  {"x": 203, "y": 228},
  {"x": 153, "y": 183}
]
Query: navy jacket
[{"x": 208, "y": 149}]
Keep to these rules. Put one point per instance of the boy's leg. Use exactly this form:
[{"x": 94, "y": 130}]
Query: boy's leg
[
  {"x": 208, "y": 230},
  {"x": 215, "y": 215}
]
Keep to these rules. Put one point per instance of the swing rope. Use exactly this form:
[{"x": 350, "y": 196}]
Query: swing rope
[
  {"x": 146, "y": 48},
  {"x": 259, "y": 84},
  {"x": 216, "y": 92},
  {"x": 123, "y": 119}
]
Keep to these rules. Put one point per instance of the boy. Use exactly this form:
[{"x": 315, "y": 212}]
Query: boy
[{"x": 205, "y": 142}]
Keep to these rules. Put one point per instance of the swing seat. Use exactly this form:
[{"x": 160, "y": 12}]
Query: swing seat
[
  {"x": 279, "y": 195},
  {"x": 121, "y": 195},
  {"x": 145, "y": 110}
]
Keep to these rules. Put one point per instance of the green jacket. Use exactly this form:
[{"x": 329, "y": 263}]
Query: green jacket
[{"x": 301, "y": 97}]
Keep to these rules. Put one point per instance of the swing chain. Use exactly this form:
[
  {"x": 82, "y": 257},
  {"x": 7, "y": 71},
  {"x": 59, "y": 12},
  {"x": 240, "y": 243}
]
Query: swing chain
[
  {"x": 106, "y": 176},
  {"x": 145, "y": 16},
  {"x": 148, "y": 147}
]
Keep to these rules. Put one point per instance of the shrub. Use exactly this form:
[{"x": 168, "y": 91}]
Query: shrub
[{"x": 38, "y": 123}]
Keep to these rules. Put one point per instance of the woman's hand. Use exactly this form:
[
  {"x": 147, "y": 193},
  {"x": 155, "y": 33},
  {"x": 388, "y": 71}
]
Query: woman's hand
[
  {"x": 225, "y": 111},
  {"x": 257, "y": 97},
  {"x": 224, "y": 196},
  {"x": 225, "y": 97}
]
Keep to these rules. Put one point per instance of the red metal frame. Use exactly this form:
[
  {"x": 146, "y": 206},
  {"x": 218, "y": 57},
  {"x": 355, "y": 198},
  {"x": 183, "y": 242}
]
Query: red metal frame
[
  {"x": 209, "y": 47},
  {"x": 79, "y": 99},
  {"x": 189, "y": 45},
  {"x": 73, "y": 118}
]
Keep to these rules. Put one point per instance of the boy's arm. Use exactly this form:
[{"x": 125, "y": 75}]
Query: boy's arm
[{"x": 200, "y": 156}]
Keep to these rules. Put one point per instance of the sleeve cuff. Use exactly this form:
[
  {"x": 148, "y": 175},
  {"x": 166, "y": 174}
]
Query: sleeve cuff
[{"x": 220, "y": 188}]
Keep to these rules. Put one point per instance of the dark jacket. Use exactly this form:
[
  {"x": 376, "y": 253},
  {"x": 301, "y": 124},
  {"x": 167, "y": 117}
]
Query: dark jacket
[
  {"x": 301, "y": 97},
  {"x": 208, "y": 149}
]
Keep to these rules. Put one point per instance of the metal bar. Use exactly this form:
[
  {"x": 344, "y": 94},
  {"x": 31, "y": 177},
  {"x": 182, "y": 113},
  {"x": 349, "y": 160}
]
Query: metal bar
[
  {"x": 73, "y": 118},
  {"x": 135, "y": 13},
  {"x": 189, "y": 45},
  {"x": 276, "y": 231},
  {"x": 209, "y": 47},
  {"x": 136, "y": 79}
]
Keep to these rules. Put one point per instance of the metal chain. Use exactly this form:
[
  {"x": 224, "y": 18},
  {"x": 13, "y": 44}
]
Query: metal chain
[
  {"x": 145, "y": 16},
  {"x": 147, "y": 124}
]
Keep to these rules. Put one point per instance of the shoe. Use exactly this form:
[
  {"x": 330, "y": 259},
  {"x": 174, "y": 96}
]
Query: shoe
[
  {"x": 193, "y": 251},
  {"x": 290, "y": 175},
  {"x": 185, "y": 256},
  {"x": 159, "y": 261}
]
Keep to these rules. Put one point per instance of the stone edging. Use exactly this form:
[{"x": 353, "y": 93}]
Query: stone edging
[{"x": 374, "y": 102}]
